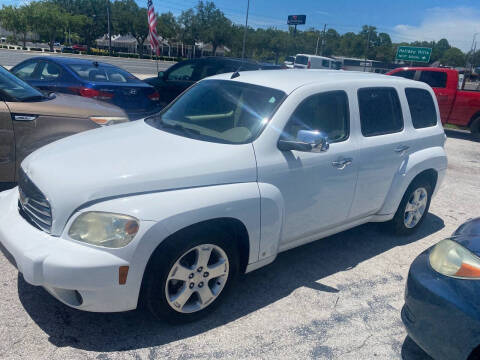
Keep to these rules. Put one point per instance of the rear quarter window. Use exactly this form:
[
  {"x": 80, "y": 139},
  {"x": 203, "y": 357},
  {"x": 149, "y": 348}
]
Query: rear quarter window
[
  {"x": 90, "y": 72},
  {"x": 380, "y": 111},
  {"x": 435, "y": 79},
  {"x": 422, "y": 108},
  {"x": 407, "y": 74}
]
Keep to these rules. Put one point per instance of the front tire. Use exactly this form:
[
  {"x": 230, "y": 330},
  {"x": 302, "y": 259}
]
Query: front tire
[
  {"x": 413, "y": 208},
  {"x": 189, "y": 275}
]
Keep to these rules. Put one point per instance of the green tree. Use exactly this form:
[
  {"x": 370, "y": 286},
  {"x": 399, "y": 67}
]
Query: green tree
[
  {"x": 213, "y": 25},
  {"x": 49, "y": 21},
  {"x": 453, "y": 57},
  {"x": 439, "y": 49},
  {"x": 167, "y": 26},
  {"x": 129, "y": 18},
  {"x": 17, "y": 20},
  {"x": 189, "y": 28}
]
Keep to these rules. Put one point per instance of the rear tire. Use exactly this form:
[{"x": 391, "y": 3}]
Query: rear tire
[
  {"x": 413, "y": 208},
  {"x": 475, "y": 129},
  {"x": 179, "y": 286}
]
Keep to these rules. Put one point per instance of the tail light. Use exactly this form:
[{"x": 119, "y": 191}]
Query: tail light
[
  {"x": 93, "y": 93},
  {"x": 309, "y": 64},
  {"x": 155, "y": 96}
]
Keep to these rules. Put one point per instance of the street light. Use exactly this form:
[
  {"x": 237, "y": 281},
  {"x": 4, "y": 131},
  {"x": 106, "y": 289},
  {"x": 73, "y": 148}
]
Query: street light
[{"x": 245, "y": 32}]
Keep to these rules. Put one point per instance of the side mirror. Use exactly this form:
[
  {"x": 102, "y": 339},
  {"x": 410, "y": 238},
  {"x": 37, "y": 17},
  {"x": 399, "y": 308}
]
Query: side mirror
[
  {"x": 161, "y": 74},
  {"x": 307, "y": 140}
]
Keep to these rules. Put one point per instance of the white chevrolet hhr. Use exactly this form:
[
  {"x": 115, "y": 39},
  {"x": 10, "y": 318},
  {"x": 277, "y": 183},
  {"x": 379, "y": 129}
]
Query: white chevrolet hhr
[{"x": 237, "y": 169}]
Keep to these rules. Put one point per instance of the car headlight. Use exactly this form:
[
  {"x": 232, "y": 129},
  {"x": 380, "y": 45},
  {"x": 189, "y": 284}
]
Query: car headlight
[
  {"x": 452, "y": 259},
  {"x": 104, "y": 229},
  {"x": 108, "y": 120}
]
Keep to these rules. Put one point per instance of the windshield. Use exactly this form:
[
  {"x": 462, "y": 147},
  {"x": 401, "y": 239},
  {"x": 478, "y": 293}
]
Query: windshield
[
  {"x": 290, "y": 59},
  {"x": 220, "y": 111},
  {"x": 103, "y": 73},
  {"x": 16, "y": 89}
]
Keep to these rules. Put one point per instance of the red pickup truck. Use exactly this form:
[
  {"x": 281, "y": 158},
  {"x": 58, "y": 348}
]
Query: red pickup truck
[{"x": 457, "y": 105}]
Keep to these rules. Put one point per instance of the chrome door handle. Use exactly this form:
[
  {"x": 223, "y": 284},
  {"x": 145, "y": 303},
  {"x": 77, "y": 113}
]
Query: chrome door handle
[
  {"x": 342, "y": 164},
  {"x": 401, "y": 149},
  {"x": 24, "y": 117}
]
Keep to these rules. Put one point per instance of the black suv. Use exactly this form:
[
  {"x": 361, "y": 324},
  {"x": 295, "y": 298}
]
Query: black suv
[{"x": 179, "y": 77}]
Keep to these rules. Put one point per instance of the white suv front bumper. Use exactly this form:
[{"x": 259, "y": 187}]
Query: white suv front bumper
[{"x": 80, "y": 276}]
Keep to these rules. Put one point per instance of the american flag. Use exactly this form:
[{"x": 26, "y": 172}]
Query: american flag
[{"x": 152, "y": 25}]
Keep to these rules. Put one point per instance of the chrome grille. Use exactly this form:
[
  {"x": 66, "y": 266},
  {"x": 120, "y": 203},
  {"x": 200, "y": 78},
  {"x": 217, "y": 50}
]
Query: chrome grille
[{"x": 32, "y": 204}]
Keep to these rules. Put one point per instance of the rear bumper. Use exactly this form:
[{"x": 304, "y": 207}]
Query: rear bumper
[
  {"x": 440, "y": 313},
  {"x": 80, "y": 276}
]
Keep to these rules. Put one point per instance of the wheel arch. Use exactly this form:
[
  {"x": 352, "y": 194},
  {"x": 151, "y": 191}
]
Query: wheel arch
[{"x": 428, "y": 163}]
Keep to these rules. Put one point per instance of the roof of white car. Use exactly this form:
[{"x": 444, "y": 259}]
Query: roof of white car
[{"x": 289, "y": 80}]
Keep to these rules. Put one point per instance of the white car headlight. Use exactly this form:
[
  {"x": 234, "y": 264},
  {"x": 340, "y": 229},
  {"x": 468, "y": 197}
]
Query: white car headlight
[
  {"x": 452, "y": 259},
  {"x": 108, "y": 120},
  {"x": 104, "y": 229}
]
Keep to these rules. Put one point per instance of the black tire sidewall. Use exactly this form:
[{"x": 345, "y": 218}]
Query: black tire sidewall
[
  {"x": 398, "y": 220},
  {"x": 163, "y": 259},
  {"x": 475, "y": 128}
]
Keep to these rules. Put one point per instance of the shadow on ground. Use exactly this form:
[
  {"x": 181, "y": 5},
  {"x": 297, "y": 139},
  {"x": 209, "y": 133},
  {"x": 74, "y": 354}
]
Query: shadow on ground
[
  {"x": 303, "y": 266},
  {"x": 411, "y": 351},
  {"x": 460, "y": 134}
]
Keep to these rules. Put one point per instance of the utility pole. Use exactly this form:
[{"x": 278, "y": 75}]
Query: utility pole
[
  {"x": 366, "y": 49},
  {"x": 323, "y": 40},
  {"x": 245, "y": 32},
  {"x": 472, "y": 53},
  {"x": 109, "y": 32}
]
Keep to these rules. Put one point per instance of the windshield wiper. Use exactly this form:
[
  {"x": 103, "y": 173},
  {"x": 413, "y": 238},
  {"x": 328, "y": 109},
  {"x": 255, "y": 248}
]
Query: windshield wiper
[{"x": 179, "y": 127}]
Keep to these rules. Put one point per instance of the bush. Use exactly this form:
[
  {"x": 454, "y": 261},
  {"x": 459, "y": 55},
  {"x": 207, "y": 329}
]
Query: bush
[
  {"x": 128, "y": 55},
  {"x": 101, "y": 52}
]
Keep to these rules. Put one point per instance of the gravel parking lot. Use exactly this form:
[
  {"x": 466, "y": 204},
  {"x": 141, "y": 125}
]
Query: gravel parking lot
[{"x": 339, "y": 297}]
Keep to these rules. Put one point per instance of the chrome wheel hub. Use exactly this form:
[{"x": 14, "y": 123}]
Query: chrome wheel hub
[
  {"x": 197, "y": 278},
  {"x": 416, "y": 205}
]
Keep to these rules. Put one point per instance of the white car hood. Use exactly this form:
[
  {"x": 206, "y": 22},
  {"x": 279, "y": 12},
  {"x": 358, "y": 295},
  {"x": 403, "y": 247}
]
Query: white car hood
[{"x": 128, "y": 159}]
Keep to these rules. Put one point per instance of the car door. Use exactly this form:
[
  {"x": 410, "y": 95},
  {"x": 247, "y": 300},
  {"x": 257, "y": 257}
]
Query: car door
[
  {"x": 177, "y": 79},
  {"x": 445, "y": 95},
  {"x": 46, "y": 76},
  {"x": 382, "y": 147},
  {"x": 317, "y": 188},
  {"x": 7, "y": 145}
]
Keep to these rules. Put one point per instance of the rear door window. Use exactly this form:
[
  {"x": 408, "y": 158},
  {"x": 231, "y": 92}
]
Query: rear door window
[
  {"x": 422, "y": 108},
  {"x": 380, "y": 111},
  {"x": 435, "y": 79}
]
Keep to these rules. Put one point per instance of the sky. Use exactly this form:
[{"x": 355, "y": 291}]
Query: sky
[{"x": 404, "y": 20}]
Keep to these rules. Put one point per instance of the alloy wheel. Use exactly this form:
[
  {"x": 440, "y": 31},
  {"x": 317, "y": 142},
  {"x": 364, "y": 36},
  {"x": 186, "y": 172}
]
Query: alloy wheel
[
  {"x": 197, "y": 278},
  {"x": 415, "y": 207}
]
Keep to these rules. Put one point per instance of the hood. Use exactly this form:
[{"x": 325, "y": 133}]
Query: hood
[
  {"x": 468, "y": 235},
  {"x": 63, "y": 105},
  {"x": 128, "y": 159}
]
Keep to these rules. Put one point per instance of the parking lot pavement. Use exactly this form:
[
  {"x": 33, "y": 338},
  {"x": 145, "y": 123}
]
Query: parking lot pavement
[
  {"x": 339, "y": 297},
  {"x": 142, "y": 67}
]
